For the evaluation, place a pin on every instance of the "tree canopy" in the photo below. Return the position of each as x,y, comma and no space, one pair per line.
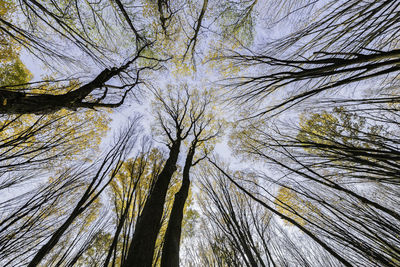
199,133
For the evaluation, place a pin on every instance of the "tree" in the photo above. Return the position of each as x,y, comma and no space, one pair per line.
76,25
322,56
238,231
333,174
205,127
95,253
311,90
15,102
111,165
337,156
129,192
325,245
178,114
141,249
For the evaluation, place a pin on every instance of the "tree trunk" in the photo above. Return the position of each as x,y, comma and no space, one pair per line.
17,102
142,247
170,252
45,249
121,223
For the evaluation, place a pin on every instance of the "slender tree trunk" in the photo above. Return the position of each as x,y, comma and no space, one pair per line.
45,249
91,193
141,250
170,252
121,223
320,242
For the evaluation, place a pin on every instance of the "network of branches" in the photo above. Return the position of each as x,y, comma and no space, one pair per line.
199,133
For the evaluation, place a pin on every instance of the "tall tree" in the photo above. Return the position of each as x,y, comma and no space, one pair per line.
344,162
205,128
181,115
172,115
238,231
110,166
129,192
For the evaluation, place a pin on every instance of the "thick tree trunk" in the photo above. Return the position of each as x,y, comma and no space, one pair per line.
17,102
141,250
170,252
14,102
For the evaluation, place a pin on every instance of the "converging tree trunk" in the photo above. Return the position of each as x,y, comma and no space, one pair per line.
142,247
170,252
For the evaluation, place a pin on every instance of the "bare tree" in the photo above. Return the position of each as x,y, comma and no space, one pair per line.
238,231
19,102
